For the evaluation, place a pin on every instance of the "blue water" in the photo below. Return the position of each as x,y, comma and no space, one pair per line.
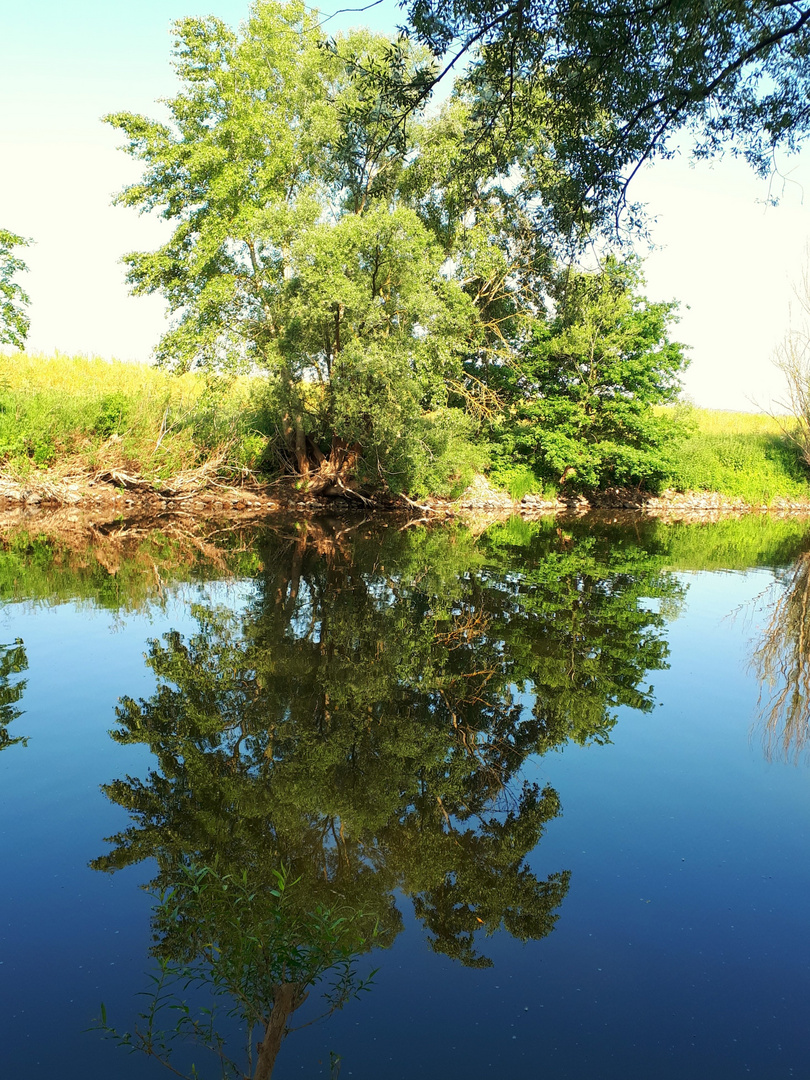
681,947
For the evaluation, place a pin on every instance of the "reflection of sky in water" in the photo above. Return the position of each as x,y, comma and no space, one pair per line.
681,946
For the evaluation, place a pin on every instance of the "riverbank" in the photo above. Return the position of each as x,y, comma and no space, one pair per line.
113,494
84,432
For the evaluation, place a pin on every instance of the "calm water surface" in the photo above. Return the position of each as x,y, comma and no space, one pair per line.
553,777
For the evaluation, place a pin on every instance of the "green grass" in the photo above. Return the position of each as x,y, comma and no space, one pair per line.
520,480
69,413
744,455
73,414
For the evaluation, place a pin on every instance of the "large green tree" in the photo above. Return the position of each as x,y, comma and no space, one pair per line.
390,270
292,248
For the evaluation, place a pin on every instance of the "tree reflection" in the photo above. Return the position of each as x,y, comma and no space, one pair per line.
781,662
251,947
365,721
13,661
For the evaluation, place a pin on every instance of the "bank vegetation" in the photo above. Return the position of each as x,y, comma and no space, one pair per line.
137,429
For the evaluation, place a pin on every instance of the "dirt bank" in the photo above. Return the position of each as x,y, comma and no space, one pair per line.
110,495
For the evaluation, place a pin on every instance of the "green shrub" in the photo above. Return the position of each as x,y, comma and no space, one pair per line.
113,412
520,480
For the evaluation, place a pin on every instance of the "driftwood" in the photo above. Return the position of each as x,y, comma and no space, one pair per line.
186,483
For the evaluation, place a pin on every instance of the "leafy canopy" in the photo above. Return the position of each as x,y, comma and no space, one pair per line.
619,78
392,271
279,172
297,244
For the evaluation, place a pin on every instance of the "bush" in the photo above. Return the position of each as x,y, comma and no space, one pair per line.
582,396
520,480
376,404
112,416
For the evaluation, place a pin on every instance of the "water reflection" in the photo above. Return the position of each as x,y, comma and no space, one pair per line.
362,726
13,661
781,662
258,949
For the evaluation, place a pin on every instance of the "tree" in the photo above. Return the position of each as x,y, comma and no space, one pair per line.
362,723
292,249
14,321
792,359
582,394
609,83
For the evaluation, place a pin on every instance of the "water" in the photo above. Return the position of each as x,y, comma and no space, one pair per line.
543,773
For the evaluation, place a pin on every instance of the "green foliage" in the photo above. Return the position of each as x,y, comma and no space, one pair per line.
318,233
604,86
756,467
289,245
14,321
377,404
447,454
63,411
113,411
256,953
518,479
581,395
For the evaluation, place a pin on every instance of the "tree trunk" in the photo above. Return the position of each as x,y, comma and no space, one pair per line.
287,998
335,473
293,426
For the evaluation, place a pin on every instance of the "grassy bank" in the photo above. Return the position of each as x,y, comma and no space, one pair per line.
745,455
77,414
74,415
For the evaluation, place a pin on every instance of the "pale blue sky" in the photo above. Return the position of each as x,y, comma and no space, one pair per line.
64,65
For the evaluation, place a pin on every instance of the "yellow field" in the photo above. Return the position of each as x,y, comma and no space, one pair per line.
721,422
92,376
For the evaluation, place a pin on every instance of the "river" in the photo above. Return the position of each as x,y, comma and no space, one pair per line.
518,800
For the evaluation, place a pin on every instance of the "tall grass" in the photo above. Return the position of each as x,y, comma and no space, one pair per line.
744,455
70,413
66,412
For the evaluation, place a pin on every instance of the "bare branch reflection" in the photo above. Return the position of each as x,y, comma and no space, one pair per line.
781,662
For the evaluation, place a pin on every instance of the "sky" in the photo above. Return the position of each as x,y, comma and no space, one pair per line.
730,260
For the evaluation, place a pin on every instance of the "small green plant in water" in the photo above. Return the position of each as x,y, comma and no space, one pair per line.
259,952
